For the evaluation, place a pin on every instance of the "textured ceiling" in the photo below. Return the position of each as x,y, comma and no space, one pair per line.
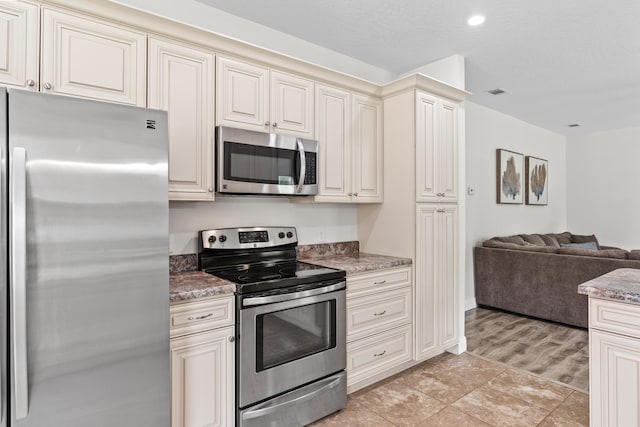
561,61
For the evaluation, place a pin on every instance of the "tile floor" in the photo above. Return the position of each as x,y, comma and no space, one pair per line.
464,390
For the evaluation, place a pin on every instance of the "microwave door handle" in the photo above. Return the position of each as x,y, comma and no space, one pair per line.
303,165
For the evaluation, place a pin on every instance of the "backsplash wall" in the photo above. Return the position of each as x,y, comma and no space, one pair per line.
315,222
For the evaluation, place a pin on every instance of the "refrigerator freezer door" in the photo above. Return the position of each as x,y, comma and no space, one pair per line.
97,291
4,260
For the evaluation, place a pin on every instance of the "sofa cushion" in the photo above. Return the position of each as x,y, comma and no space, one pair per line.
550,240
634,254
510,239
492,243
592,246
577,238
534,239
608,253
563,237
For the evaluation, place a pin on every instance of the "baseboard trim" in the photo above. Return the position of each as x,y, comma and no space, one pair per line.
459,348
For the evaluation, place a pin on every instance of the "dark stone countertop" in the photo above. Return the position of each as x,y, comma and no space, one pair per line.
189,285
622,284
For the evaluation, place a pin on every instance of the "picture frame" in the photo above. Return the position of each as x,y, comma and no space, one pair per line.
537,181
509,177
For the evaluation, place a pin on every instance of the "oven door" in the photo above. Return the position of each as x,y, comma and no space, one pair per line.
262,163
287,344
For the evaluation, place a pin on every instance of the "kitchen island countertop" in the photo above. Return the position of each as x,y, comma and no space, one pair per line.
191,285
622,284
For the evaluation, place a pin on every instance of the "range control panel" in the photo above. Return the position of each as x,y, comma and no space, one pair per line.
247,237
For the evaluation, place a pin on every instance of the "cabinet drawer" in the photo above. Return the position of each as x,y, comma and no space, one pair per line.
191,317
374,355
613,316
377,312
363,284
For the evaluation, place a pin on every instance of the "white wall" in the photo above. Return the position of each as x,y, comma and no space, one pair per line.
449,70
315,223
486,131
603,174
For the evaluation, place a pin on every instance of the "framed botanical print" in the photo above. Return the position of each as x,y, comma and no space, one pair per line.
537,181
509,176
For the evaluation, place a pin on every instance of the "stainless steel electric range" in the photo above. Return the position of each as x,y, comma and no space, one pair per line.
290,326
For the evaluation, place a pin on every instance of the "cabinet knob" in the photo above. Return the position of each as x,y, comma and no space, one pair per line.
267,123
355,194
210,190
47,86
232,338
31,83
275,125
349,194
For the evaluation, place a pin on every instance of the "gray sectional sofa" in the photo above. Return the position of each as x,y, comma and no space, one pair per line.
538,274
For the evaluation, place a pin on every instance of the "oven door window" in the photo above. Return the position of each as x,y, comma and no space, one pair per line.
259,164
288,335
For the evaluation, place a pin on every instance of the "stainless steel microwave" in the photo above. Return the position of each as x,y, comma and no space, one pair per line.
249,162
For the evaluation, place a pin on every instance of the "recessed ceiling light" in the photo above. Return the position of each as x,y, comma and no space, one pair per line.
475,20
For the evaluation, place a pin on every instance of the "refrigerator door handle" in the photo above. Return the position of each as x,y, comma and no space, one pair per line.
18,239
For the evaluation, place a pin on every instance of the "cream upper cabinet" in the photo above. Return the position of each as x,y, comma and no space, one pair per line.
180,80
257,98
436,279
19,25
333,131
436,149
367,149
92,59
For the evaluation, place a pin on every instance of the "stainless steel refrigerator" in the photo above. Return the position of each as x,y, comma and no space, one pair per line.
84,301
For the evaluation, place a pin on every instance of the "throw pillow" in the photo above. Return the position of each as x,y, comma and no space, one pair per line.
576,238
592,246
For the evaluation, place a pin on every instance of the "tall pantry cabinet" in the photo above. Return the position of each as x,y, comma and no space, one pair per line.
419,218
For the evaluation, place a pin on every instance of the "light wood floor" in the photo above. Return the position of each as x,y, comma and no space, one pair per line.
550,350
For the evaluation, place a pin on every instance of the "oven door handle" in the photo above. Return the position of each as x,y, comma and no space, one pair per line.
261,412
303,165
293,295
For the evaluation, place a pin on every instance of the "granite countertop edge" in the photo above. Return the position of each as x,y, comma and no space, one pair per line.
192,285
622,284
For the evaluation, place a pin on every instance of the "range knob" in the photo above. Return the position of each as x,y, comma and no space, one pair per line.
212,239
281,235
222,238
289,234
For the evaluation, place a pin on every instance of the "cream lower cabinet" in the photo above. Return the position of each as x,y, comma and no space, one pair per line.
202,363
436,320
92,59
379,325
614,363
181,81
19,25
349,128
254,97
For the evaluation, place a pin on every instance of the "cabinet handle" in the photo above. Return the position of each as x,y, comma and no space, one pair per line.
267,123
47,86
380,283
380,314
275,125
380,354
349,194
31,83
440,210
199,317
355,194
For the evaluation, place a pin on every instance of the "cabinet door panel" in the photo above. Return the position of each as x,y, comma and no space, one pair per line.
447,284
19,46
181,82
92,59
426,277
334,156
367,149
426,148
243,95
202,379
291,105
448,146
